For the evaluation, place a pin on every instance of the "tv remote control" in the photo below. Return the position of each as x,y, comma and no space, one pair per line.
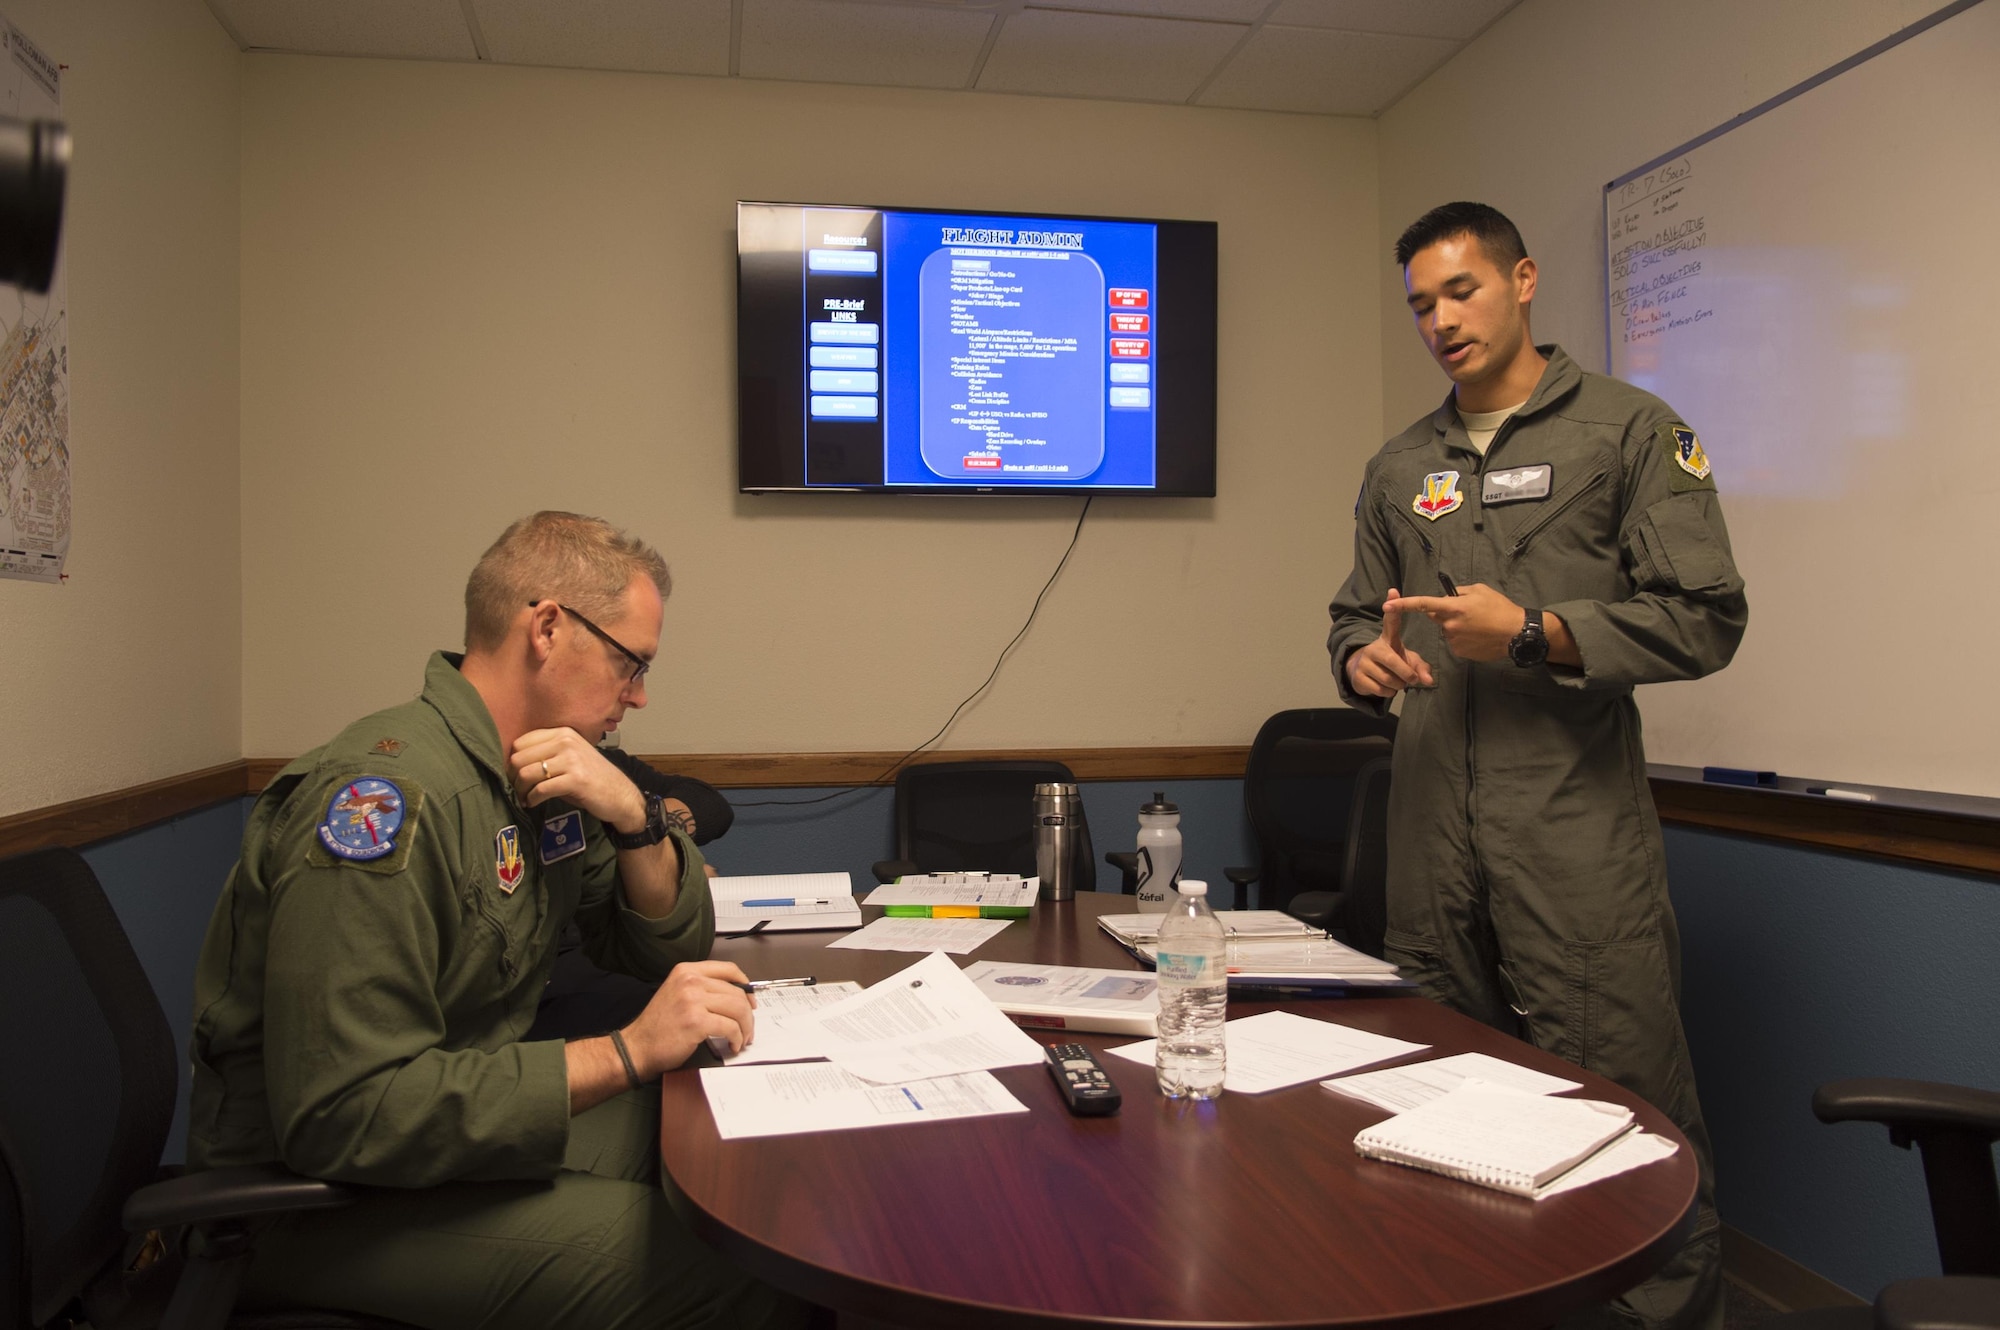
1080,1076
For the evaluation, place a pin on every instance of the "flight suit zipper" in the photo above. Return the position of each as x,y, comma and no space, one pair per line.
1576,496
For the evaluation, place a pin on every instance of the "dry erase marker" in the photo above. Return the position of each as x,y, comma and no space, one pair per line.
1833,792
1444,580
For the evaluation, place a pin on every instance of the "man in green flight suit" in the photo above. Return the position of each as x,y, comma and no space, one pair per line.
377,956
1572,523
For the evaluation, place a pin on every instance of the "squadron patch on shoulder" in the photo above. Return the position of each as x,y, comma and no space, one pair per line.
1691,469
1441,495
508,864
1687,451
562,837
363,818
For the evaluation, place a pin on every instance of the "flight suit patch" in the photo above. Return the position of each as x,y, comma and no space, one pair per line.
1692,470
562,837
1441,495
1518,484
508,864
362,819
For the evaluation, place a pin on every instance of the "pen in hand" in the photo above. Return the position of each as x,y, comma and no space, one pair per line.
1444,580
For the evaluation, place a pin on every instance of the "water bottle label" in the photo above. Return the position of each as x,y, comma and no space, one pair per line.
1182,968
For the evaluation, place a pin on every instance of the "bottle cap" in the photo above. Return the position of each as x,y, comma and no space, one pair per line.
1158,806
1193,886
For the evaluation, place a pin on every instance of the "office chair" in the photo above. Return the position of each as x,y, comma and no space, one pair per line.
1303,789
955,817
84,1111
1954,1128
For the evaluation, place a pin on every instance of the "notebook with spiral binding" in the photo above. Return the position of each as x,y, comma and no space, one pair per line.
1496,1137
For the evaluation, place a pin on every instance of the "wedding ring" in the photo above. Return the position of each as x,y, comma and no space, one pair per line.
545,768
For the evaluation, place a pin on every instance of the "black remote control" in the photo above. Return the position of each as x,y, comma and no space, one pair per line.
1080,1076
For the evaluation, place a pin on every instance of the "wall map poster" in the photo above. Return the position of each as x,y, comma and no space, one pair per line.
34,366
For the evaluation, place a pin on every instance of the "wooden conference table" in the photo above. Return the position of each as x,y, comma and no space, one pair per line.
1250,1210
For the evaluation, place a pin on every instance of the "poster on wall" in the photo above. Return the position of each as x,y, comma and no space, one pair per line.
34,365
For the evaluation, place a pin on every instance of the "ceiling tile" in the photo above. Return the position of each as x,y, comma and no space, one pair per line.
1460,20
407,29
826,41
1220,11
1066,54
682,37
1333,73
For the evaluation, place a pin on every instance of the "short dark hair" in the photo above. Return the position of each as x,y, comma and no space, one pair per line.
1488,225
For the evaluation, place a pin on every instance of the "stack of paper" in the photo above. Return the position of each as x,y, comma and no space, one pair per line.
784,902
957,896
890,1045
956,936
1235,924
1278,1048
1400,1088
780,1033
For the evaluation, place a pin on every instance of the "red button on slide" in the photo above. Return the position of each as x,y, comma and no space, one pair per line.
1131,347
1128,297
981,462
1131,323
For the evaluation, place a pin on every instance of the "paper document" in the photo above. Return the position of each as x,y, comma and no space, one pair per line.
784,902
957,936
777,1036
1278,1048
1634,1149
928,1020
971,890
817,1096
1401,1088
1497,1137
1235,923
1067,997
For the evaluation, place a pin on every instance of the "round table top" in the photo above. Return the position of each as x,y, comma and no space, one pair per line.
1248,1210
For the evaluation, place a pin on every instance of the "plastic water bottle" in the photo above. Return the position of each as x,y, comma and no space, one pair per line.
1159,853
1194,997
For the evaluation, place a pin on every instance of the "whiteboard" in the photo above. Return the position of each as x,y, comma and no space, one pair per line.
1815,288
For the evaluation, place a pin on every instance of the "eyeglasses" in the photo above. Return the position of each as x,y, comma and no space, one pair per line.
639,663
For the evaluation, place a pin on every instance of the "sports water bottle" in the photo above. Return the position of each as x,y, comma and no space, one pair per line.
1194,997
1159,853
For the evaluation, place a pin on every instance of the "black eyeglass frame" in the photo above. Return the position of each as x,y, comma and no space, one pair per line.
639,663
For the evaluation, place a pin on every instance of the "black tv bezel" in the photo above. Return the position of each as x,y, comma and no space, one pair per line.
1185,381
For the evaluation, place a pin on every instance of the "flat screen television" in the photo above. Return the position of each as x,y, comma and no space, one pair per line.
920,351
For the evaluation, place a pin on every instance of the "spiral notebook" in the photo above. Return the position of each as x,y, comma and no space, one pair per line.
1496,1137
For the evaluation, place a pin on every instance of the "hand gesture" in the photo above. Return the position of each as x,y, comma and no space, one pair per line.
1385,666
1478,622
700,1000
562,764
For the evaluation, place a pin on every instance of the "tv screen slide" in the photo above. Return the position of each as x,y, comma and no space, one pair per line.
921,351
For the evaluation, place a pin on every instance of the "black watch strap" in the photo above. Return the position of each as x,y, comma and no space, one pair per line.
652,833
1530,646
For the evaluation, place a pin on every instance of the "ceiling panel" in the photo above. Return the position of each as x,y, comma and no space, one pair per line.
1333,73
682,37
1221,11
1459,20
824,41
1061,53
411,29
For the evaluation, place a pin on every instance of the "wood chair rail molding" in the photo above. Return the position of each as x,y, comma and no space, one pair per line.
1944,840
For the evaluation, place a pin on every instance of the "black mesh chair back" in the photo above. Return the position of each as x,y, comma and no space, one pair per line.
956,817
89,1095
1299,791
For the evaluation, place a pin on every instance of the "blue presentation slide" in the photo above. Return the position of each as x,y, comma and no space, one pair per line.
1014,351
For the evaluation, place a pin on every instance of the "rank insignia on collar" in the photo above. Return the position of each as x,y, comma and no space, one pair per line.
1687,451
1441,495
388,747
363,818
507,860
562,836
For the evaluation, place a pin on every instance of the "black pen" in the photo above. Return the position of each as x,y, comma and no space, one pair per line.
759,985
1444,580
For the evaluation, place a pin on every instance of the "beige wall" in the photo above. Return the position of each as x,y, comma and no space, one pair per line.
1562,96
130,670
470,292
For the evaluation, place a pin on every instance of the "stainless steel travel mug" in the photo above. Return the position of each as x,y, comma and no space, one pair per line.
1056,812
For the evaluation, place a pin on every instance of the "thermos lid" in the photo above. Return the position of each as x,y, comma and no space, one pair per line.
1054,789
1158,806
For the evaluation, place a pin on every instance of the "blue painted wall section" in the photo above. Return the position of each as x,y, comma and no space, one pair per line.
1801,967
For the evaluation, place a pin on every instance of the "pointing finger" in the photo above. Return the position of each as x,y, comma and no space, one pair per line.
1392,623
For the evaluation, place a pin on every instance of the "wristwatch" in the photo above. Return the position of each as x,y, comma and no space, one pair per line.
652,833
1530,646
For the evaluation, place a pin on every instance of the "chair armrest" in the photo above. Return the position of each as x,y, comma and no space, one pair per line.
1243,877
888,870
230,1193
1955,1303
1125,861
1905,1106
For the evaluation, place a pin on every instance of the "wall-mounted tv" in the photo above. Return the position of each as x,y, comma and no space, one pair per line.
919,351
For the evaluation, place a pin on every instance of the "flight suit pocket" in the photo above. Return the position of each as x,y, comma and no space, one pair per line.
1621,1015
1675,547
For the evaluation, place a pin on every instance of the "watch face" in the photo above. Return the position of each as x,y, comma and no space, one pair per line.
1530,646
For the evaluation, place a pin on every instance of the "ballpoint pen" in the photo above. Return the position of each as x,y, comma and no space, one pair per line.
777,901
